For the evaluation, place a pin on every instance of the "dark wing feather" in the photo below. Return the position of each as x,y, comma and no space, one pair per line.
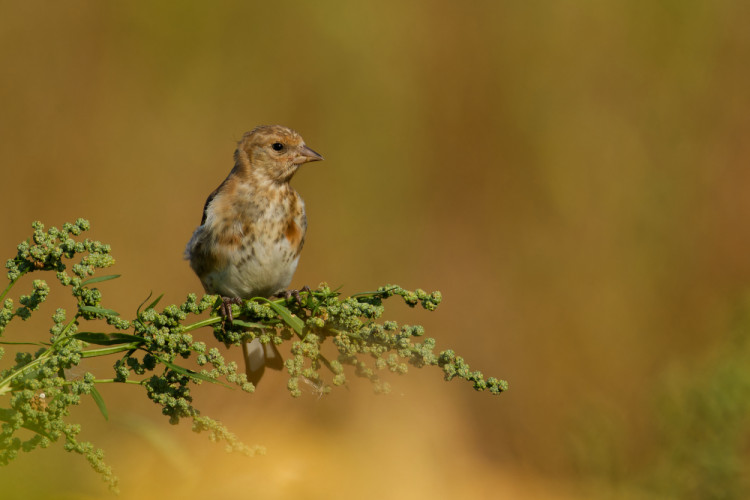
208,201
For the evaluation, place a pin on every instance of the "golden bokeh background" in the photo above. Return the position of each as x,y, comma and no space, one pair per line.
571,175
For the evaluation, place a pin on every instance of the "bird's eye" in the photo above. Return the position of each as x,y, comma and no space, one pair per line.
277,146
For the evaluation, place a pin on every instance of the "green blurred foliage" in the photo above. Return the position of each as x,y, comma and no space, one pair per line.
704,424
578,170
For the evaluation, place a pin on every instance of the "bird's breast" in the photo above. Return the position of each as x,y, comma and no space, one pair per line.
256,250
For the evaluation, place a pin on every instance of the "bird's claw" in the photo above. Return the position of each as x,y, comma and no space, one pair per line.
288,294
226,308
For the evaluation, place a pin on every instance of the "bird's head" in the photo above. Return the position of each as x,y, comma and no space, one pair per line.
273,152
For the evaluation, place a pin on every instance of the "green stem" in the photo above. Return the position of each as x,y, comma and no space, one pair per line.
110,381
7,289
280,300
62,337
5,383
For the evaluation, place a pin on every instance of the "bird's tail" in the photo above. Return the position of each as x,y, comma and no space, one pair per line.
258,356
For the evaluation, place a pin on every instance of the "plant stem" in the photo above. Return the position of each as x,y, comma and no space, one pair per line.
109,381
5,383
7,289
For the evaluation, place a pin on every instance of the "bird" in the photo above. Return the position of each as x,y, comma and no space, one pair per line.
253,228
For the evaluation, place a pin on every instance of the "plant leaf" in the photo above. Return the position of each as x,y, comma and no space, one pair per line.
99,310
192,374
99,279
293,321
153,304
107,338
247,324
105,351
138,311
99,402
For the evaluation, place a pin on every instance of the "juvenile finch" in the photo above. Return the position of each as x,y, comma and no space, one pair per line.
250,237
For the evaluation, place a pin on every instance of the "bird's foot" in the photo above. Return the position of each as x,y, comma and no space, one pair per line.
287,294
226,308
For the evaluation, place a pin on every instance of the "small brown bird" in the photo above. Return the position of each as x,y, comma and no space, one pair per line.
253,227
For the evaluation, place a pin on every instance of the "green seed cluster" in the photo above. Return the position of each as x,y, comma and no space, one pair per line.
359,339
218,433
39,393
164,346
329,338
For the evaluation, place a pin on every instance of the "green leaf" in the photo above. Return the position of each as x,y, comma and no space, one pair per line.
150,306
107,338
20,343
138,311
105,351
293,321
192,374
99,402
247,324
99,279
99,310
153,304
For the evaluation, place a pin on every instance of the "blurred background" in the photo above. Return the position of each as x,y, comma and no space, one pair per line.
572,176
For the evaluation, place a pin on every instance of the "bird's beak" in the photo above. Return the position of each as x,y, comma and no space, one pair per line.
306,154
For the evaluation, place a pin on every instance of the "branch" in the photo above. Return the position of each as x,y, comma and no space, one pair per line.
154,349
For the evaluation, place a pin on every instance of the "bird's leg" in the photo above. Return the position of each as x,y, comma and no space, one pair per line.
295,293
226,307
